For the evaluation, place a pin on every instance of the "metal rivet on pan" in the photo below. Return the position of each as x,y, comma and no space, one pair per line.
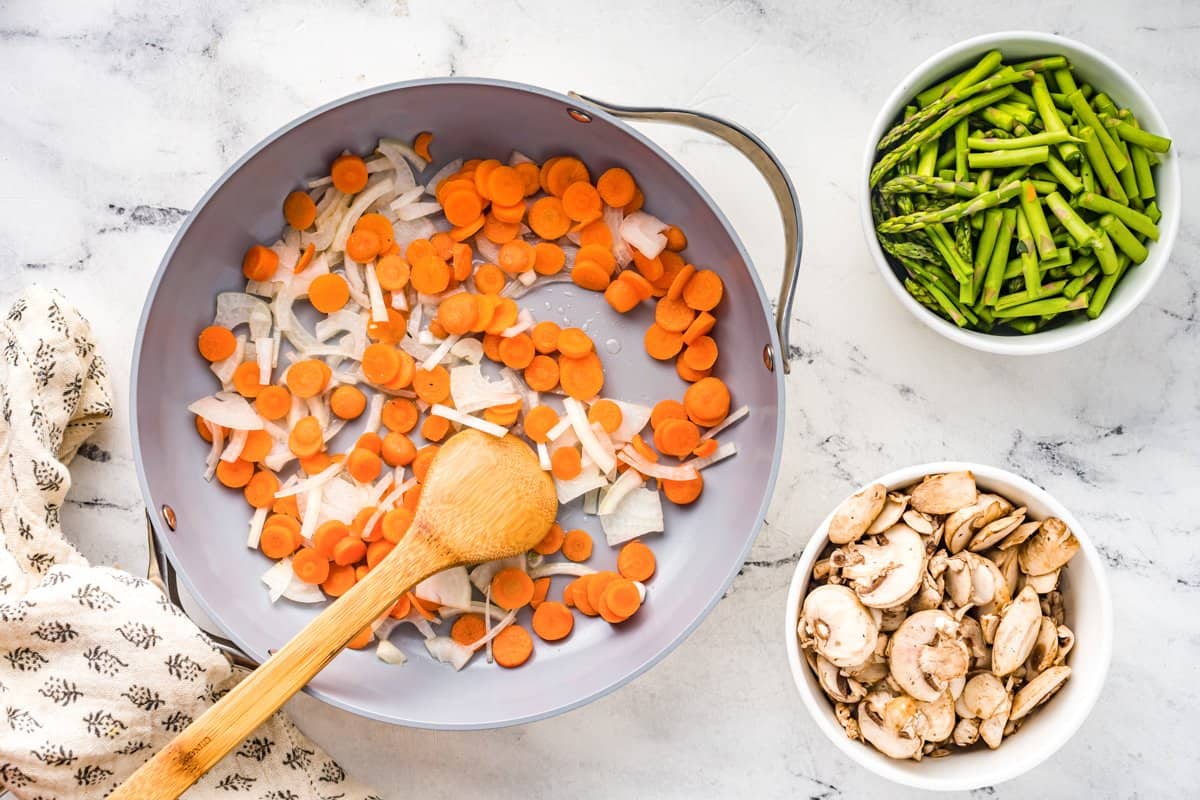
579,116
168,514
769,357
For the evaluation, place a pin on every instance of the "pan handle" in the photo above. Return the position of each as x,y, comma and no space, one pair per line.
777,178
160,572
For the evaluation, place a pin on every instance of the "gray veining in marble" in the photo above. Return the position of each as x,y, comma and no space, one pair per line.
117,116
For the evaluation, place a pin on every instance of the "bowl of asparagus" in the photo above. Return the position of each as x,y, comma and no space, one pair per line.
1021,193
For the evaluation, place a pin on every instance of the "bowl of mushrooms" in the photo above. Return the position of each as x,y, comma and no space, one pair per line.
949,626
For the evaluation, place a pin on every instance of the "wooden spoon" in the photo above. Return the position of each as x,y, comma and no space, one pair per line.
484,498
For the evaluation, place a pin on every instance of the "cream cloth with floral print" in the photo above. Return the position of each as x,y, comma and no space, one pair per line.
97,669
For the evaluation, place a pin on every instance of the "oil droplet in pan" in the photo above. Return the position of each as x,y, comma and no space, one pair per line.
612,346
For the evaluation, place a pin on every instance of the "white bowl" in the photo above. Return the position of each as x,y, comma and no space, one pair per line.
1088,613
1090,67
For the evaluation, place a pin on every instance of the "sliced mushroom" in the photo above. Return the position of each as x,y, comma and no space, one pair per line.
1017,632
926,654
958,530
982,697
988,623
994,507
991,730
837,626
1043,584
1066,641
1006,562
996,530
893,510
884,570
944,494
892,617
1023,532
966,732
1045,649
837,685
1052,606
821,570
856,513
1050,548
875,668
888,722
1039,690
845,716
939,718
930,594
972,635
919,522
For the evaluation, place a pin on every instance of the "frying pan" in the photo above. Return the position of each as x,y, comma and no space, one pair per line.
200,529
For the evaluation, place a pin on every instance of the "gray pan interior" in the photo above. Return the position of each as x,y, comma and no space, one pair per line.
704,545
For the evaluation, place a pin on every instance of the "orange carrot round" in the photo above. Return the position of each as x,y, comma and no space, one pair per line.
349,173
661,343
462,207
577,544
703,292
400,415
435,428
397,450
457,313
363,465
432,385
310,566
701,354
622,598
607,413
327,535
306,438
379,225
260,263
542,373
553,621
616,187
216,343
664,410
673,315
566,171
621,296
396,523
581,378
545,336
235,474
307,378
328,293
468,629
582,202
676,240
517,351
565,463
548,219
676,437
258,445
683,492
552,542
512,646
260,490
512,588
273,402
636,562
707,401
539,421
574,343
341,579
548,259
299,210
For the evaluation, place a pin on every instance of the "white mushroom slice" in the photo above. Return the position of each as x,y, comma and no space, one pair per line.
991,730
1045,648
874,669
821,570
1066,641
982,697
1043,584
1017,632
958,530
1050,548
845,715
1052,606
856,513
966,732
988,624
1023,532
926,654
930,595
1006,562
939,718
994,507
893,510
837,685
958,580
887,722
884,570
972,635
996,530
918,522
945,494
838,626
892,617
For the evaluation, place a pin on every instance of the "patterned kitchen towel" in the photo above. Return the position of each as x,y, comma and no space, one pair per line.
98,670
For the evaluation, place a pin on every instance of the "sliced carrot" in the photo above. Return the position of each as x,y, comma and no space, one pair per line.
683,492
260,263
461,261
328,293
498,231
349,173
581,378
517,256
273,402
235,474
379,225
701,354
706,448
423,461
565,463
257,447
460,233
596,233
468,629
458,312
661,343
675,291
580,598
505,415
545,336
644,450
652,269
607,413
574,343
552,542
676,240
517,351
566,171
363,245
347,402
506,187
512,646
672,265
707,401
673,315
635,204
529,177
287,506
361,639
435,428
643,288
380,363
552,621
544,172
664,410
548,259
616,187
299,210
397,450
600,255
341,579
542,373
577,544
245,379
548,219
568,594
306,438
512,588
703,292
489,279
420,145
676,437
429,275
432,385
539,421
310,566
349,550
443,245
400,414
700,326
491,346
504,316
358,526
621,296
483,174
370,441
202,429
402,607
582,202
306,257
541,588
260,491
317,462
377,551
462,207
307,378
396,523
687,373
363,465
277,541
622,598
636,562
327,535
216,343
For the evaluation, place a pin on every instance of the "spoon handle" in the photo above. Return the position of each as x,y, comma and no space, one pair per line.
224,725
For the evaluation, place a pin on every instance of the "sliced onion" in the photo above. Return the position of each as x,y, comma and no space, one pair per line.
451,587
439,352
442,174
264,352
544,456
601,456
225,368
257,521
583,483
634,418
302,281
518,157
652,469
408,232
315,482
400,154
720,454
468,349
472,391
233,450
560,428
407,197
454,415
374,190
488,250
239,308
417,210
229,410
621,251
629,480
734,417
493,631
379,311
388,653
561,568
214,451
644,232
524,322
591,501
639,513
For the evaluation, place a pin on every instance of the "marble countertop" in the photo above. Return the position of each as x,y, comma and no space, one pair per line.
118,116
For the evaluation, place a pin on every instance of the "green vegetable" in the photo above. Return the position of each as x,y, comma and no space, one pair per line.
1014,197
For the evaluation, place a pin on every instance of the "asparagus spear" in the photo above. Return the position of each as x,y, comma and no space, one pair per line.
961,131
1005,77
924,184
1150,141
1024,296
1080,231
1077,284
1104,169
1043,64
923,219
1050,118
1038,308
1141,170
1064,175
1123,238
992,220
1087,117
1009,158
1105,287
1029,254
1032,208
1019,142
